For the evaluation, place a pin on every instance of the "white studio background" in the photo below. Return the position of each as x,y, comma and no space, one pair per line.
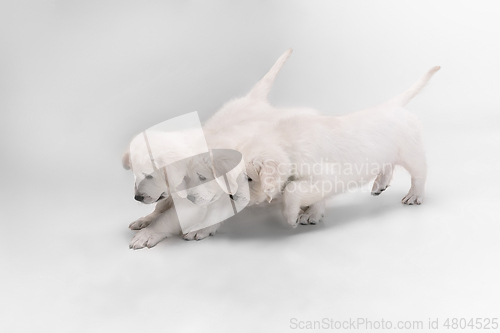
79,78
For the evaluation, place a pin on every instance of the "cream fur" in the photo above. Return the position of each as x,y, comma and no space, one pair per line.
273,139
310,157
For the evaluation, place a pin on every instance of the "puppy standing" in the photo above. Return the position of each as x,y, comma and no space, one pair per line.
310,157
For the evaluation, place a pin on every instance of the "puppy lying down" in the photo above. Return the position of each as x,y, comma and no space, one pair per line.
234,123
294,154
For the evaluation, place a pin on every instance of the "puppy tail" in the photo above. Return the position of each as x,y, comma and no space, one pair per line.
404,98
262,88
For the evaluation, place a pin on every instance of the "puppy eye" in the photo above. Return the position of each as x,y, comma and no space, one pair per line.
249,179
202,177
149,176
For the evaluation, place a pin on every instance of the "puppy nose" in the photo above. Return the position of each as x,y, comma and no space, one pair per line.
191,198
139,197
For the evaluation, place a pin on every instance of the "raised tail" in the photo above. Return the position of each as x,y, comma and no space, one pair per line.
404,98
262,88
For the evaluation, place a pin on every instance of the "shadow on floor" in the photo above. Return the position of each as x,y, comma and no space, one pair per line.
268,223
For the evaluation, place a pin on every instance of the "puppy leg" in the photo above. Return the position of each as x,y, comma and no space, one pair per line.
414,162
313,214
167,224
161,207
298,194
202,233
383,179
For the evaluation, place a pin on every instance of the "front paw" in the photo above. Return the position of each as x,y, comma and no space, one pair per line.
140,224
413,199
146,238
376,191
311,216
200,234
292,217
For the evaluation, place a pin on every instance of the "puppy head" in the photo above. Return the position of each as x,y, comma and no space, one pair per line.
266,178
151,183
152,188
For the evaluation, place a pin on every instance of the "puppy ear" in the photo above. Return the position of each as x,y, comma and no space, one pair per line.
126,160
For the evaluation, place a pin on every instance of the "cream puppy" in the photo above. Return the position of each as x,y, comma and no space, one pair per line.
310,157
